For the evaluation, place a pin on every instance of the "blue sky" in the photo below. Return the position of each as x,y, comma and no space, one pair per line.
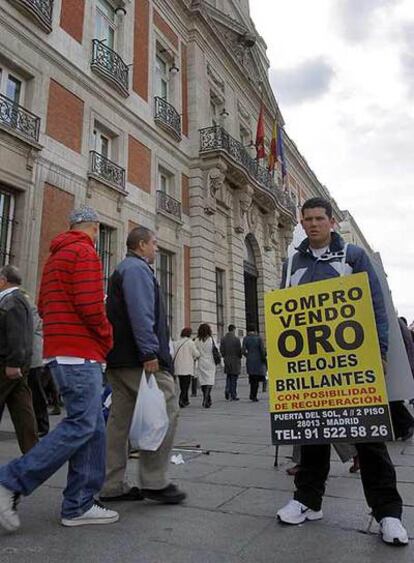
343,74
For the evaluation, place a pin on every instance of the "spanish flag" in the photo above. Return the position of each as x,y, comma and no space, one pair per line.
260,135
273,149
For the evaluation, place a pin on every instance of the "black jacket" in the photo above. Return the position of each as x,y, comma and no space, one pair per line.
16,331
136,311
230,349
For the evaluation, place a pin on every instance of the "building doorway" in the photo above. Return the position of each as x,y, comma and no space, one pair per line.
250,285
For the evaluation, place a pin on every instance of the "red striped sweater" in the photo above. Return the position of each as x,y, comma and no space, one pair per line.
71,300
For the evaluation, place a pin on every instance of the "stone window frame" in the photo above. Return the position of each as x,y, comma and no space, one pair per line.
169,283
7,256
161,166
170,55
116,135
107,255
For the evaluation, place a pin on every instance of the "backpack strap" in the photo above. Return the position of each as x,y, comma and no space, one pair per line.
343,261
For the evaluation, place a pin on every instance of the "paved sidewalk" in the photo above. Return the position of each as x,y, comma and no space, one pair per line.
233,494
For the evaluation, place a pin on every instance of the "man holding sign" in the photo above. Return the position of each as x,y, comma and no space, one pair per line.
331,386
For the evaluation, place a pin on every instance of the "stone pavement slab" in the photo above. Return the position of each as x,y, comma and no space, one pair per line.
233,495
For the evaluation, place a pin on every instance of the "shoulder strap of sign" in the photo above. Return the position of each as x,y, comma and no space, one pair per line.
289,270
343,261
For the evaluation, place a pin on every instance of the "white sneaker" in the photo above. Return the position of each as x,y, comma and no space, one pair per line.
296,513
97,514
9,518
392,531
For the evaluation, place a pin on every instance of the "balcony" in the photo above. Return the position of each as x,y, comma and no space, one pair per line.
167,117
169,205
109,65
18,119
216,139
106,171
39,11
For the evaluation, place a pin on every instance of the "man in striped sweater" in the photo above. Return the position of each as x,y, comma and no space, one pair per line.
77,338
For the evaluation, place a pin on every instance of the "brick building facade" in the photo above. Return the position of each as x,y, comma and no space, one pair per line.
145,109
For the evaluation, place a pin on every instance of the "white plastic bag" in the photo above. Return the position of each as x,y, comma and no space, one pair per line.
150,420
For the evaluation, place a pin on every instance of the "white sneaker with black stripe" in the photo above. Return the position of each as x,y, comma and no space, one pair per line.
9,518
296,513
97,514
393,532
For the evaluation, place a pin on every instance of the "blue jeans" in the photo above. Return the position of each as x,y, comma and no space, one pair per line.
231,385
79,439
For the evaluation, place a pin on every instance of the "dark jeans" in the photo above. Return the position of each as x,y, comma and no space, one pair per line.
402,420
184,381
39,399
15,393
231,385
194,386
377,475
254,381
206,389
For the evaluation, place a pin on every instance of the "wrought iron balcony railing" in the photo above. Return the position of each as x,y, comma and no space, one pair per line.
21,120
286,200
167,117
39,10
107,170
168,204
109,65
216,138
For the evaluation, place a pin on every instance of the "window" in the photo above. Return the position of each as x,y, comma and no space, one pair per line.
161,69
213,113
220,302
6,226
217,115
101,142
104,249
165,279
165,181
105,26
245,137
11,86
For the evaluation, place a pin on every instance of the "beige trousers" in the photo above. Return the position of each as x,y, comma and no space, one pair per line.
152,467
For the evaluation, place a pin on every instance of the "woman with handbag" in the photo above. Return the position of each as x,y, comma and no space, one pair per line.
185,354
209,356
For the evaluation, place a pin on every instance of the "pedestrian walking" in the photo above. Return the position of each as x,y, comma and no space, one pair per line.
256,366
141,347
230,349
185,354
36,372
16,346
77,338
206,366
323,255
402,421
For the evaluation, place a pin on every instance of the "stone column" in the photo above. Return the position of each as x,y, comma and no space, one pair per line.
202,186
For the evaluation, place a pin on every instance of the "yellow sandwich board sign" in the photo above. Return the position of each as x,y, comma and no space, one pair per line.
326,379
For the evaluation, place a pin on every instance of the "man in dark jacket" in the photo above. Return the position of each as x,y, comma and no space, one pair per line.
141,346
230,349
16,340
323,255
